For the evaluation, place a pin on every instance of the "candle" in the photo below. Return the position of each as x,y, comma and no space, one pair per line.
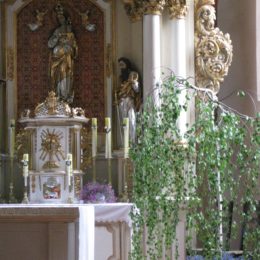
25,168
108,153
126,136
94,137
69,167
11,137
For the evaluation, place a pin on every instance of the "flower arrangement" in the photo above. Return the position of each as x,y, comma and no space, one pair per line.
93,192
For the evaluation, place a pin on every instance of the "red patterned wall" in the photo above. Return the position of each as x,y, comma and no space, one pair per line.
33,54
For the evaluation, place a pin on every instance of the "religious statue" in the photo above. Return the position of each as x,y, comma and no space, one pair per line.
64,51
128,95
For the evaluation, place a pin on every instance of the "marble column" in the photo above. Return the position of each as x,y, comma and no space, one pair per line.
151,54
152,49
178,54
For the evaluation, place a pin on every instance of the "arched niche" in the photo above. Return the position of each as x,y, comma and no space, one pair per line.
27,55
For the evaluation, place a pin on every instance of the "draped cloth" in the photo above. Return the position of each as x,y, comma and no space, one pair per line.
86,232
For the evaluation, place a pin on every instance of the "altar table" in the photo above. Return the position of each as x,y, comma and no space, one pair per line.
64,231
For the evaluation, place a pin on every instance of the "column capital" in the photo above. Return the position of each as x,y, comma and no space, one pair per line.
134,9
154,7
177,9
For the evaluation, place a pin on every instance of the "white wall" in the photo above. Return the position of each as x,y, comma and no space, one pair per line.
238,18
129,38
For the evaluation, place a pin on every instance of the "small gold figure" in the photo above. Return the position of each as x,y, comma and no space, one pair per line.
39,20
85,21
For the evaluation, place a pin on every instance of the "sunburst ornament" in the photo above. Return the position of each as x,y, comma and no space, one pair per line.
51,148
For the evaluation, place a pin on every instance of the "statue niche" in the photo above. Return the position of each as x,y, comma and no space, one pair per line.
61,55
64,51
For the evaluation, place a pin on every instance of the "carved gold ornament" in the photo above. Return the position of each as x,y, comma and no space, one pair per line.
213,49
134,9
177,9
85,148
154,6
51,147
52,106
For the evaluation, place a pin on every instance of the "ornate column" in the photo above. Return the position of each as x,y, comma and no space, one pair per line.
178,11
152,47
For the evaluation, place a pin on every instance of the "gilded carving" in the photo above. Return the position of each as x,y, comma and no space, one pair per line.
154,7
213,49
23,142
51,147
77,186
134,9
52,106
177,9
86,148
10,63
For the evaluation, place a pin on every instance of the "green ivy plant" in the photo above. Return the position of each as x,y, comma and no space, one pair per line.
203,171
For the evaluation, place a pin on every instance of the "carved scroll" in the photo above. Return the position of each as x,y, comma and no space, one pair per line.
213,49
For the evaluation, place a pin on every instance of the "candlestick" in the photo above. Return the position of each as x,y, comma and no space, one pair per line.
94,137
25,176
69,168
11,130
126,136
25,168
108,153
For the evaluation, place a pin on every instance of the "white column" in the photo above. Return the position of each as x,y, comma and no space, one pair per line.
178,53
179,60
151,55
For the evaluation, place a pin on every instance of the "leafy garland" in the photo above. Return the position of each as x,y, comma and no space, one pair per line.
203,171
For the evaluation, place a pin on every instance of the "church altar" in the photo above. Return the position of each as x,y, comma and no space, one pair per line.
65,231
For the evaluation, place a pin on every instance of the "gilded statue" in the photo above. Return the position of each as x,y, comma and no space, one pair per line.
64,52
128,95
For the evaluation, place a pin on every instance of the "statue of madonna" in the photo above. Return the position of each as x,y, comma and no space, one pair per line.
64,51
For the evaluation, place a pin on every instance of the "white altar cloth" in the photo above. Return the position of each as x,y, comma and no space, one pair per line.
88,214
113,212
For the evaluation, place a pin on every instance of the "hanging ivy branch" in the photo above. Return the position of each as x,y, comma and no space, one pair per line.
203,171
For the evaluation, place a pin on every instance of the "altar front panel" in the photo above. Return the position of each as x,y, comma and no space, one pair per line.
54,232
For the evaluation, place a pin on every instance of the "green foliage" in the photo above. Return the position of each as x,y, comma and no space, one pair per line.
214,163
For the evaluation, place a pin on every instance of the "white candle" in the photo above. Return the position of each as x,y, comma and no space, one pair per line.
25,168
126,137
94,137
108,153
69,167
11,137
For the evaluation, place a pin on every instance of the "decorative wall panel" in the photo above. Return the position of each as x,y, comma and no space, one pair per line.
33,54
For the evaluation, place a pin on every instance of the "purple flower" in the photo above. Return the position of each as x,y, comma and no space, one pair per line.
95,192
